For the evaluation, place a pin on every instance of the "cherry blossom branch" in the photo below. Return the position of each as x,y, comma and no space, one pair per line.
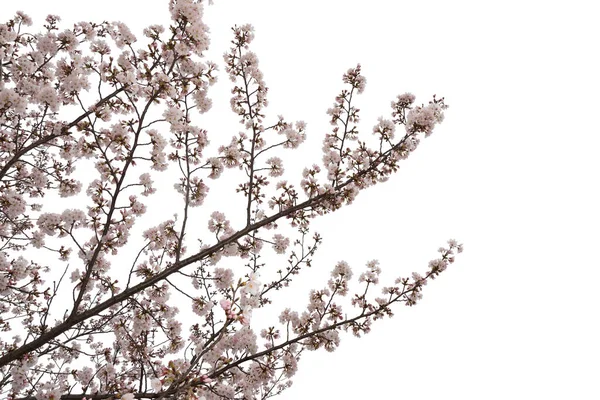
226,362
79,317
64,130
408,294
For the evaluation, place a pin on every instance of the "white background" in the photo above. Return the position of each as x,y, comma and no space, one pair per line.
512,173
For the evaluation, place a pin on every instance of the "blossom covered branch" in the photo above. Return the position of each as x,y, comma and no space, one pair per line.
105,323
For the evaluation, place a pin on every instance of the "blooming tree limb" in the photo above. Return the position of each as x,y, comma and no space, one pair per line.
119,335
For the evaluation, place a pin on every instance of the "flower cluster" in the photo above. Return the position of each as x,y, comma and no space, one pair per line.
226,306
50,223
280,243
219,224
164,236
424,118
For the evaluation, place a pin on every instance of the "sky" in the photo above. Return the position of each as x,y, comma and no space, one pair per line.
512,173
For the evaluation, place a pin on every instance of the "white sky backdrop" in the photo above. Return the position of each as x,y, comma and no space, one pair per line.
512,173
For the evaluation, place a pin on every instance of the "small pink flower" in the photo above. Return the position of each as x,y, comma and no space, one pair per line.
244,320
225,304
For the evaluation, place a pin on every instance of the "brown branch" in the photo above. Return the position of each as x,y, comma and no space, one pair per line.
95,311
64,131
78,318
